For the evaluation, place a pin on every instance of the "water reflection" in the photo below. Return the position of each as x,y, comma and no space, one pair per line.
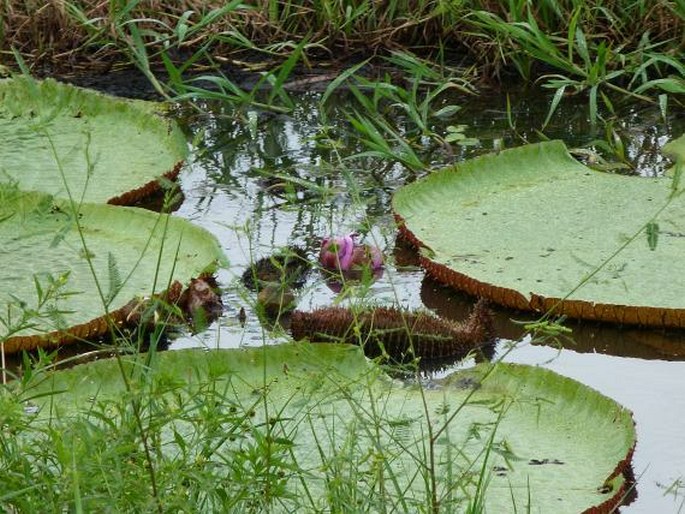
263,181
586,337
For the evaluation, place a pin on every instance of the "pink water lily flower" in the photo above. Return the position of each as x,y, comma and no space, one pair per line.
344,253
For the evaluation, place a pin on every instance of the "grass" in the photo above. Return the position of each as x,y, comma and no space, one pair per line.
604,50
213,449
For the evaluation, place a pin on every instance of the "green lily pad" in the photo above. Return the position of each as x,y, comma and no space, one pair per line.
56,138
676,149
555,445
132,252
531,228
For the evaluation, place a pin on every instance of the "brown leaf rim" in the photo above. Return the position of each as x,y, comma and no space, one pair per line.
580,309
146,190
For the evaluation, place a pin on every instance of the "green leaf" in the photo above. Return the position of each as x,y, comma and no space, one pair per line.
663,105
451,137
581,45
114,282
652,231
182,26
532,435
593,105
532,226
338,81
127,248
558,95
670,85
447,111
57,138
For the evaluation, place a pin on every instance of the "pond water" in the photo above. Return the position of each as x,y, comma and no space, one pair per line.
263,182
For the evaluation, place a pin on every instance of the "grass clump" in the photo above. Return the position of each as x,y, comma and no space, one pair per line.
631,48
302,428
273,26
209,440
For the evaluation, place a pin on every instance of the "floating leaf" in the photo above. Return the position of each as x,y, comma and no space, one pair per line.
126,247
57,139
531,225
555,444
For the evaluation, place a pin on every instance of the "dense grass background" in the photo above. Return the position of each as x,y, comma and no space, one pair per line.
604,50
487,34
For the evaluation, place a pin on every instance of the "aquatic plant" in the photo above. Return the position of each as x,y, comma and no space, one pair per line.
66,141
532,228
275,299
275,279
343,253
42,239
293,427
84,147
288,267
395,333
200,302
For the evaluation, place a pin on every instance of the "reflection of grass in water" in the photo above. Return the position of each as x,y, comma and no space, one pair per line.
677,490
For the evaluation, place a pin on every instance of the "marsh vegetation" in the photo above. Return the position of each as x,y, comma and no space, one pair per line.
304,119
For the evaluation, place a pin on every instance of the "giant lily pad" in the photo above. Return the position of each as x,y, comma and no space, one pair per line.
531,228
132,252
555,445
57,139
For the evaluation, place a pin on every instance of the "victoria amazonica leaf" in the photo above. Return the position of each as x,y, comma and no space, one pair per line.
532,226
60,139
132,252
676,149
542,442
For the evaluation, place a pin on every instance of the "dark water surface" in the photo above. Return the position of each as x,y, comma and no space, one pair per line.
269,181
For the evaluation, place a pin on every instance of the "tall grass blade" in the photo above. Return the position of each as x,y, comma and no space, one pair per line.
340,79
558,95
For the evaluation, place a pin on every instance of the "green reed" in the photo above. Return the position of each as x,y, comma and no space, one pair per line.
604,50
570,58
